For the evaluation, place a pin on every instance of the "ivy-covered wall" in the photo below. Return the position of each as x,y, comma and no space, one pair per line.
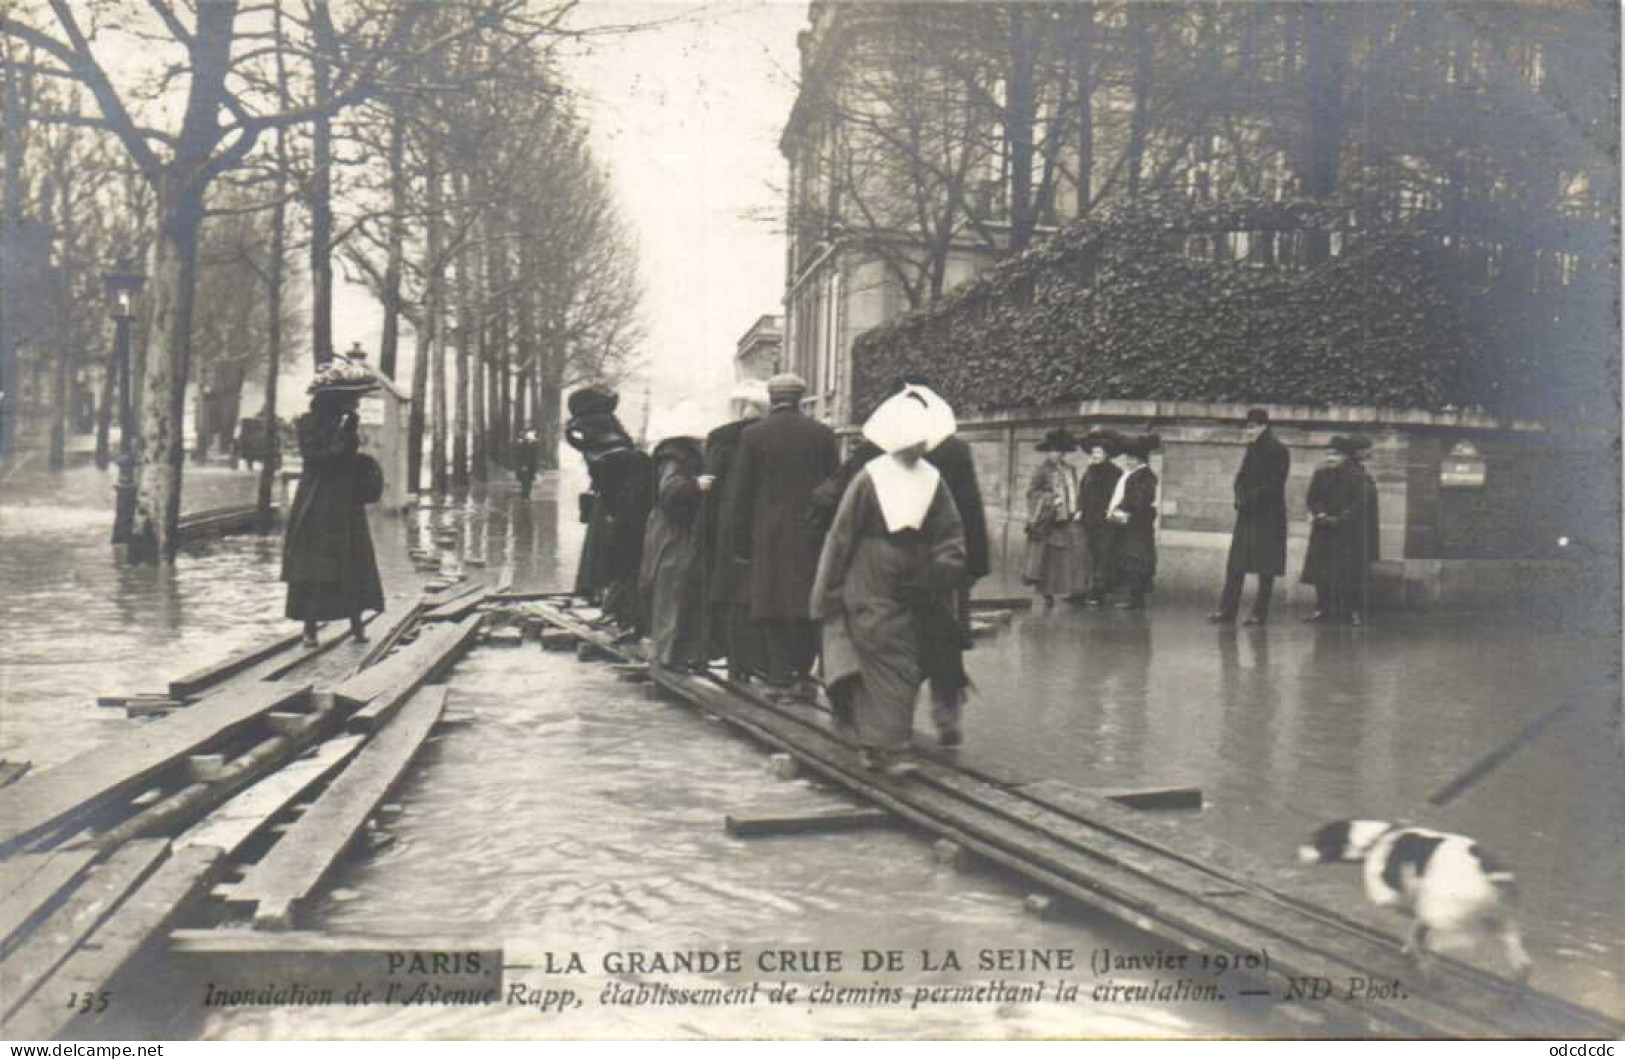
1165,301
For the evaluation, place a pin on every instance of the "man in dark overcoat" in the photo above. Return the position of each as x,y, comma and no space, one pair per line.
524,462
781,461
1343,533
730,632
1258,543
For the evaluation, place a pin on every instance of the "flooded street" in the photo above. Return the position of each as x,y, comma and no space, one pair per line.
570,813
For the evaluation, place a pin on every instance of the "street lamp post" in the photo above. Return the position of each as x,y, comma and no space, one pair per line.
123,285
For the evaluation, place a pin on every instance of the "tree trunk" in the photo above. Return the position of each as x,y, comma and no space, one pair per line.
1020,118
1140,34
172,287
321,194
479,388
1328,55
11,216
459,437
422,338
1085,60
550,404
58,457
271,434
389,343
432,314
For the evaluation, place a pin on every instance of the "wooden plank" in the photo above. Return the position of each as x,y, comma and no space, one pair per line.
1134,891
233,824
821,822
293,869
31,885
392,636
143,917
1153,797
131,759
12,771
27,966
418,668
215,672
458,609
233,959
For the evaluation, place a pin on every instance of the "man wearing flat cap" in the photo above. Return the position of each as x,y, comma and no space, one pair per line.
1258,543
781,460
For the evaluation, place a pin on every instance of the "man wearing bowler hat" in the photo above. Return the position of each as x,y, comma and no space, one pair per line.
781,460
1258,544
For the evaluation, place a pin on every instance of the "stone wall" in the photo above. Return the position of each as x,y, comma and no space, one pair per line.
1491,546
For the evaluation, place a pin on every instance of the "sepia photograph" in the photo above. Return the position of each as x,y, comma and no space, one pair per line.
811,520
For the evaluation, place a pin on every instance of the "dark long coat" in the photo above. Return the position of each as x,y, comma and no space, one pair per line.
622,491
1134,543
672,582
728,580
1344,544
782,459
327,555
1258,544
1095,488
953,460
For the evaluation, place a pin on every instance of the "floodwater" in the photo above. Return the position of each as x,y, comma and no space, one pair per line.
570,814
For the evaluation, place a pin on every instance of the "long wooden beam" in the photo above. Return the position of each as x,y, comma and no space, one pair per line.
286,876
130,759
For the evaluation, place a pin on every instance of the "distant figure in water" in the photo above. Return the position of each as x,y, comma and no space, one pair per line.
524,463
327,556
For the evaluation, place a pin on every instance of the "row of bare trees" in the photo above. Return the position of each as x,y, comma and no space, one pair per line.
927,129
432,149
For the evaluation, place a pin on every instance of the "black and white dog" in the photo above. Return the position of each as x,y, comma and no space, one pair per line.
1449,886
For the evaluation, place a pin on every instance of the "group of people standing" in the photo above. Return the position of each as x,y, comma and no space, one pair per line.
761,546
1092,535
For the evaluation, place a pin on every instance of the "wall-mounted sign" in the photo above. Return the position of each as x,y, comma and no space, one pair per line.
1463,467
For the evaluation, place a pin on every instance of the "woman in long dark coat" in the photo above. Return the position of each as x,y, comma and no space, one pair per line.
1343,533
672,582
731,633
617,508
327,554
1132,517
885,586
1095,491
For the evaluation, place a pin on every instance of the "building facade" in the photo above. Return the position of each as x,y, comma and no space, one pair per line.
759,349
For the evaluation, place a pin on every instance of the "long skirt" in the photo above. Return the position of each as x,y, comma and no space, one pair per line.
1060,565
871,660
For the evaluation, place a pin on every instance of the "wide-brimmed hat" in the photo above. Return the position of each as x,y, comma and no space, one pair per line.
1346,445
687,451
1141,445
1058,440
343,375
595,433
1261,416
593,400
1102,438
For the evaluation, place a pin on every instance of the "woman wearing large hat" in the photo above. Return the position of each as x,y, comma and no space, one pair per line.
327,554
1095,488
1057,562
616,510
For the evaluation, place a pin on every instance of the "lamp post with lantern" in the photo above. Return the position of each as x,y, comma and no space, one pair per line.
123,286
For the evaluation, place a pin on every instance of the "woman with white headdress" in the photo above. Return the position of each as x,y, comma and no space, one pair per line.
885,585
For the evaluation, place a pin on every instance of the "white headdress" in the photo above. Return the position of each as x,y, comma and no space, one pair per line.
904,420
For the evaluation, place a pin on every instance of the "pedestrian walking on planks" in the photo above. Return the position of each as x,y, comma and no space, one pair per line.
885,586
327,554
1095,489
782,460
1258,543
615,511
730,632
1131,515
672,582
1057,561
524,462
1343,532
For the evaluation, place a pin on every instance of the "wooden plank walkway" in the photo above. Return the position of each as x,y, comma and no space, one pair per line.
142,917
130,759
28,966
297,864
380,689
1138,868
233,824
30,884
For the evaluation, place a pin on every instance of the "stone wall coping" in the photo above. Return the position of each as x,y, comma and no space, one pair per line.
1297,415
